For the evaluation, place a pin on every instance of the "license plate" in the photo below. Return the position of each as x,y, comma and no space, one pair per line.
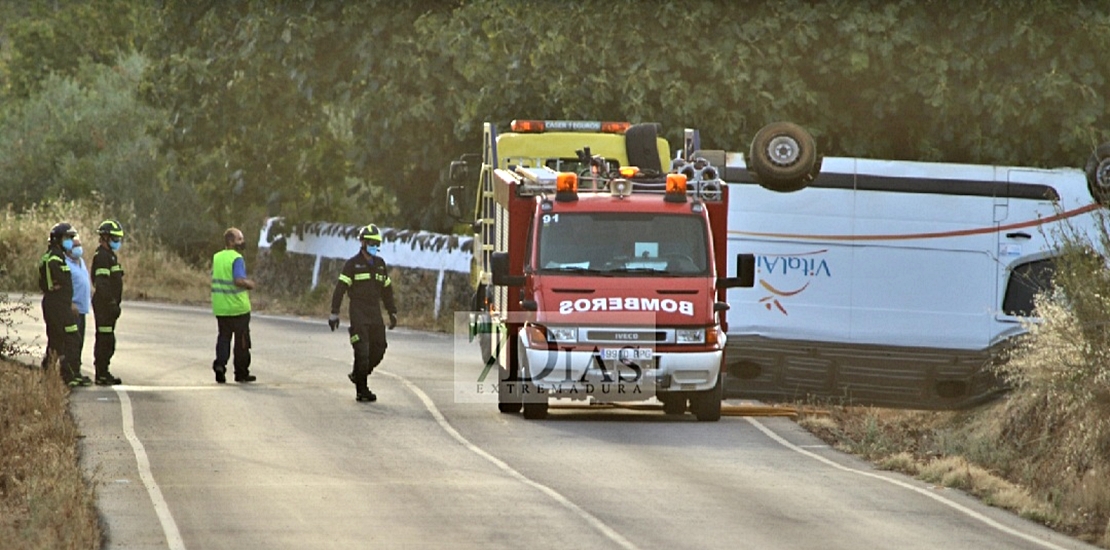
631,354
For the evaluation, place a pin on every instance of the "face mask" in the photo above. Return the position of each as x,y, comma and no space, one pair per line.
372,249
77,252
114,245
67,244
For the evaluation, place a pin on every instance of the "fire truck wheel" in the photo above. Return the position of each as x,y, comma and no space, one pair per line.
706,405
1098,174
535,410
673,404
508,392
783,157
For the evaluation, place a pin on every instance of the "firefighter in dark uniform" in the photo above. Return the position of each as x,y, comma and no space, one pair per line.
365,279
58,310
108,282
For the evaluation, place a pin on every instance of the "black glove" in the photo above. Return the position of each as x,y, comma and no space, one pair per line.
333,322
392,320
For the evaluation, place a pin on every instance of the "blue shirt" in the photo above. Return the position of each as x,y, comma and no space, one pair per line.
239,269
82,285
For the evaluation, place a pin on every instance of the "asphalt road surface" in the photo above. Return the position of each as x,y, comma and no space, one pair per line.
292,461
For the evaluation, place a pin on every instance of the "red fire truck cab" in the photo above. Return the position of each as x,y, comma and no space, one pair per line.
598,275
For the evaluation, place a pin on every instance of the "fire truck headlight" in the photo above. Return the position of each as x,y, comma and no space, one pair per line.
563,334
690,336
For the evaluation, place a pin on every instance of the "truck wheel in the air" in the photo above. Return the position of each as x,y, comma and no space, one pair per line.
673,403
706,405
783,157
1098,174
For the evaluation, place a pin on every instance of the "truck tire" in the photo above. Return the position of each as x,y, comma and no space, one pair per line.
783,157
706,405
673,404
508,395
1098,174
535,407
535,410
480,306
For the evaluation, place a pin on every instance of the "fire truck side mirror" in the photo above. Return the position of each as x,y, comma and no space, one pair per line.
455,199
460,172
499,265
745,273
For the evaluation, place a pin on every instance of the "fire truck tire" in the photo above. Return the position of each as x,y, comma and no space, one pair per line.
706,405
1098,174
783,157
673,404
508,392
534,405
535,410
641,148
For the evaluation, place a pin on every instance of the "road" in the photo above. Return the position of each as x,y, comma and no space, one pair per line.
292,461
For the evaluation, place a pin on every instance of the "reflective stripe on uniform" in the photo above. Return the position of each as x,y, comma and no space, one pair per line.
71,328
223,286
362,276
344,279
105,329
354,338
102,271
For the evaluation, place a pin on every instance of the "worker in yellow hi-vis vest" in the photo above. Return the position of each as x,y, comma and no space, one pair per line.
231,304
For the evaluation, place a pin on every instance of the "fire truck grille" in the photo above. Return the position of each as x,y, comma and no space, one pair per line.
632,336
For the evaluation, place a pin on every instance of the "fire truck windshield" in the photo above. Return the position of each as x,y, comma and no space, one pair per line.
632,244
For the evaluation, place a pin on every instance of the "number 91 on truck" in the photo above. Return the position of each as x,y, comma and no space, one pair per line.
600,264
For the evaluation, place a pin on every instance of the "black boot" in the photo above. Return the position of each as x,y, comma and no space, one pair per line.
364,394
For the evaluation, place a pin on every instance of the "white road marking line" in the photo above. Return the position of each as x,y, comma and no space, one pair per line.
593,520
169,527
951,504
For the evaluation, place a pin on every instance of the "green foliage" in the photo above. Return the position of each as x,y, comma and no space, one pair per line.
59,37
88,136
351,112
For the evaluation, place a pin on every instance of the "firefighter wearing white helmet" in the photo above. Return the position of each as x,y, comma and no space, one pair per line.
365,280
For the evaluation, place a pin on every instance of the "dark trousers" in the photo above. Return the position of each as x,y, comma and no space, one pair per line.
369,344
237,328
61,340
105,346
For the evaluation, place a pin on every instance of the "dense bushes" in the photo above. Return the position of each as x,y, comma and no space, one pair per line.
233,111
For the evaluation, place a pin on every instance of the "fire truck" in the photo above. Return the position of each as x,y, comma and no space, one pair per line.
600,262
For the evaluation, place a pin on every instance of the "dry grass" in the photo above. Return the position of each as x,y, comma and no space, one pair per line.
45,503
964,450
